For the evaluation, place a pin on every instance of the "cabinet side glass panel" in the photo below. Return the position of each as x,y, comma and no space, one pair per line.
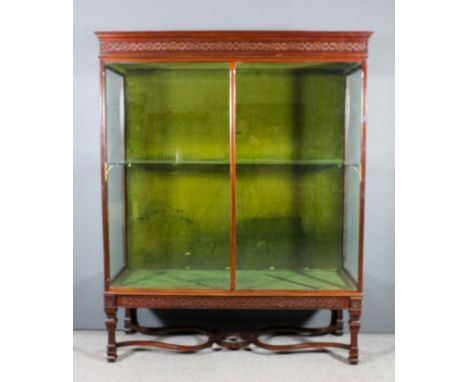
116,219
177,176
115,118
352,194
290,176
114,89
353,123
351,221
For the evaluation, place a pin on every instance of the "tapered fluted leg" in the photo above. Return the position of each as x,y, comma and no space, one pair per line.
337,321
111,324
130,319
354,325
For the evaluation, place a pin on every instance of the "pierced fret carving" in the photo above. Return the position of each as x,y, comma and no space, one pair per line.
241,46
233,302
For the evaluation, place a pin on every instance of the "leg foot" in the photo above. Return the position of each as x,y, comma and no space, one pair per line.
337,320
111,353
111,323
130,319
354,325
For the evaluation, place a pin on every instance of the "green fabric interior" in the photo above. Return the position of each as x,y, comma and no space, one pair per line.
289,217
177,112
294,114
308,279
289,122
178,216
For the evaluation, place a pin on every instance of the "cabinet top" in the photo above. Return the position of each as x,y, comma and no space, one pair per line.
233,45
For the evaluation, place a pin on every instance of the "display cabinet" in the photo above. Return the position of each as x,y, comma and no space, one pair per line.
233,177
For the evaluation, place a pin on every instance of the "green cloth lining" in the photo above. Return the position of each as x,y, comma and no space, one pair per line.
267,279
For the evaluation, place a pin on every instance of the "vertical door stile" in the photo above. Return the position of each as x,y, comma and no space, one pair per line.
232,156
124,169
105,217
345,170
362,176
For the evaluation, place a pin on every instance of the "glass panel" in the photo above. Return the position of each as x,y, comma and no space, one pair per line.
289,227
351,220
114,116
176,238
116,218
177,112
353,130
177,176
290,176
353,125
289,112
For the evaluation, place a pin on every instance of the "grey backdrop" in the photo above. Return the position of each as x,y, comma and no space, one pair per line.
374,15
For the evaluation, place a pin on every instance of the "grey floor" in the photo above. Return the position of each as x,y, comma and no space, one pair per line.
133,364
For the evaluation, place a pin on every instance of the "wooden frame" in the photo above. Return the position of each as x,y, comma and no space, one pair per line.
231,47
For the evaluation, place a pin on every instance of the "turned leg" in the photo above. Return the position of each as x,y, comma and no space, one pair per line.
111,323
337,321
130,320
354,325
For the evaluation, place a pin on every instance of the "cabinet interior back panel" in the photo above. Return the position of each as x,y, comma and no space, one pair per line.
178,217
289,112
177,112
178,201
290,119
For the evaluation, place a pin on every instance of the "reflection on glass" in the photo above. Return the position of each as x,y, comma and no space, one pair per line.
353,123
351,220
352,176
114,116
116,218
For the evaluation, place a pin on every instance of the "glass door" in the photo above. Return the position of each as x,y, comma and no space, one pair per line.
168,175
285,212
298,132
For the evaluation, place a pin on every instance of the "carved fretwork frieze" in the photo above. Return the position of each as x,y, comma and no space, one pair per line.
233,46
233,302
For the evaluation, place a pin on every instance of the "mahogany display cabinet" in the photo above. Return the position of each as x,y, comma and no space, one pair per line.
233,177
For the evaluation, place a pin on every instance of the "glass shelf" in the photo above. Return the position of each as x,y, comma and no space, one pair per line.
239,162
168,163
292,162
